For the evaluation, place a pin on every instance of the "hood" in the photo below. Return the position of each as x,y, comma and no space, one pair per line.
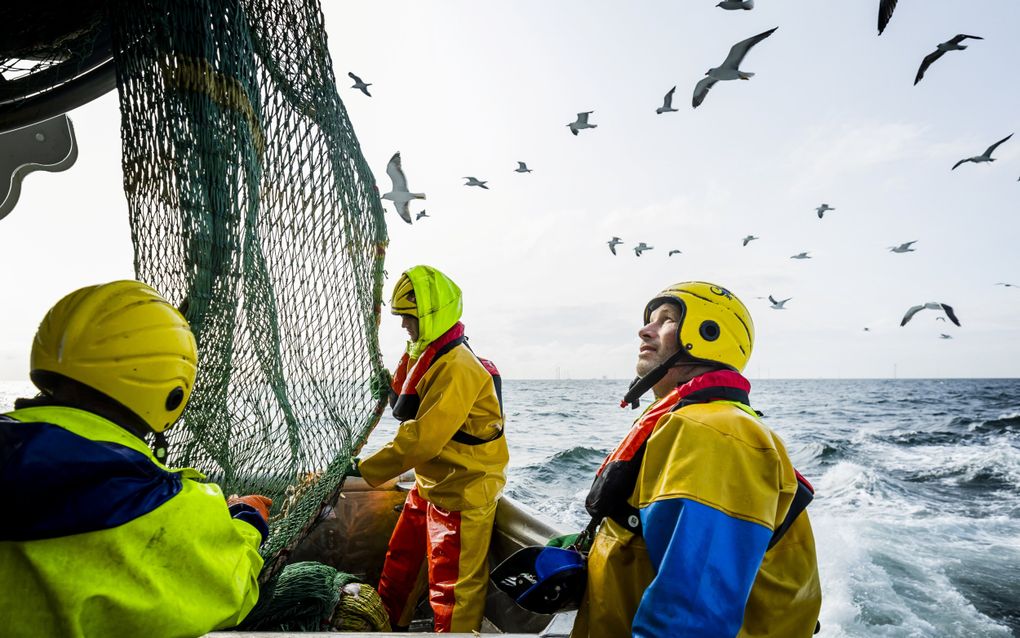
439,306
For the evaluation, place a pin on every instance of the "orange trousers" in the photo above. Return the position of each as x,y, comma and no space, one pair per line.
451,548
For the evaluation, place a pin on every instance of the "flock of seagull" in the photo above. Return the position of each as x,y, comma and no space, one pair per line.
729,69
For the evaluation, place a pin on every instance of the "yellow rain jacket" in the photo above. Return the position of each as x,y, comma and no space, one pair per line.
713,485
455,393
100,539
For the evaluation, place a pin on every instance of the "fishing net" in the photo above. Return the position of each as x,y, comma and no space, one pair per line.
252,207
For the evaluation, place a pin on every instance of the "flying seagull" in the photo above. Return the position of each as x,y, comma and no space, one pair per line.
358,84
931,305
945,336
885,9
522,168
778,305
733,5
749,239
613,243
641,247
667,103
399,194
420,215
800,256
1002,283
673,252
473,181
729,69
941,50
984,157
867,329
903,248
824,208
581,122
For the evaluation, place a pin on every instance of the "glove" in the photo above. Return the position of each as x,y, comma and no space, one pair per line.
252,509
354,470
257,501
563,541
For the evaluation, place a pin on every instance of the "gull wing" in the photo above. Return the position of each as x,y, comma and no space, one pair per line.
771,300
701,90
522,166
354,77
582,118
612,247
910,313
740,49
908,244
885,11
667,101
396,174
950,314
991,149
927,62
960,37
963,161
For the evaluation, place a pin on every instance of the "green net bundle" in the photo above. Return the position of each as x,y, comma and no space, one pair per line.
251,206
310,596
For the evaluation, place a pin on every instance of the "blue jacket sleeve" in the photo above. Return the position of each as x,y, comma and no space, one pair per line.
705,563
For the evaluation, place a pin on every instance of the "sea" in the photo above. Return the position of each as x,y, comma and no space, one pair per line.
917,508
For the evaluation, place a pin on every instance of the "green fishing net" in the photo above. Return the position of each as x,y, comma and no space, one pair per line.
252,207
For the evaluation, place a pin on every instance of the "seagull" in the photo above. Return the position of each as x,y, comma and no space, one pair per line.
358,84
581,122
984,157
867,329
667,103
903,248
641,247
778,305
420,215
522,168
673,252
1002,283
885,9
728,70
613,243
472,181
399,194
945,336
733,5
942,49
824,208
749,239
800,256
931,305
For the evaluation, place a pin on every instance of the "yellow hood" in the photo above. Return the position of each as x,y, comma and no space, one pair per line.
439,306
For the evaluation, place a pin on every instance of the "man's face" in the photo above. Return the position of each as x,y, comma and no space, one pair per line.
409,323
658,338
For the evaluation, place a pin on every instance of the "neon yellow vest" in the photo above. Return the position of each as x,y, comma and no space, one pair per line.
183,569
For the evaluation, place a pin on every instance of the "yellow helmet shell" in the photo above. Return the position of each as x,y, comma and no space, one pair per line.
715,326
124,340
404,301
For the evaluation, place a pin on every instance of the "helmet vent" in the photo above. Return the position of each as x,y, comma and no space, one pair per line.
174,399
709,330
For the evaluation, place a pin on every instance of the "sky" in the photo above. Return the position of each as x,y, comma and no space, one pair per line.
831,115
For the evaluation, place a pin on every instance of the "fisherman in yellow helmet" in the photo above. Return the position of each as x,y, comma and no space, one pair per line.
99,537
702,528
451,434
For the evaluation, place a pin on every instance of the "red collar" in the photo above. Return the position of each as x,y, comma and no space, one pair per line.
714,379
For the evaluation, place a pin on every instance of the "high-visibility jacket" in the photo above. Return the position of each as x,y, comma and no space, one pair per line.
713,486
456,394
100,539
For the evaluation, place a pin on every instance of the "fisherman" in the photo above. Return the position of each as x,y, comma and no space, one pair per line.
99,537
451,434
702,529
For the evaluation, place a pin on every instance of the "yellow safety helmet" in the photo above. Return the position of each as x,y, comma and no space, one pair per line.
123,340
404,301
714,325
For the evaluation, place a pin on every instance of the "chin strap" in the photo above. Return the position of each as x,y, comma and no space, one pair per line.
640,385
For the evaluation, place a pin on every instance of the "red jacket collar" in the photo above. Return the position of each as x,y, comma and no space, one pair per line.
714,379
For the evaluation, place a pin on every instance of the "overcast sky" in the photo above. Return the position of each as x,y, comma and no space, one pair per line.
467,88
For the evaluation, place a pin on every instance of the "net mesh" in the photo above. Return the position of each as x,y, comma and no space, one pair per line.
251,206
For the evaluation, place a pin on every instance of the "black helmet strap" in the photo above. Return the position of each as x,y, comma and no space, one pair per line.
643,384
